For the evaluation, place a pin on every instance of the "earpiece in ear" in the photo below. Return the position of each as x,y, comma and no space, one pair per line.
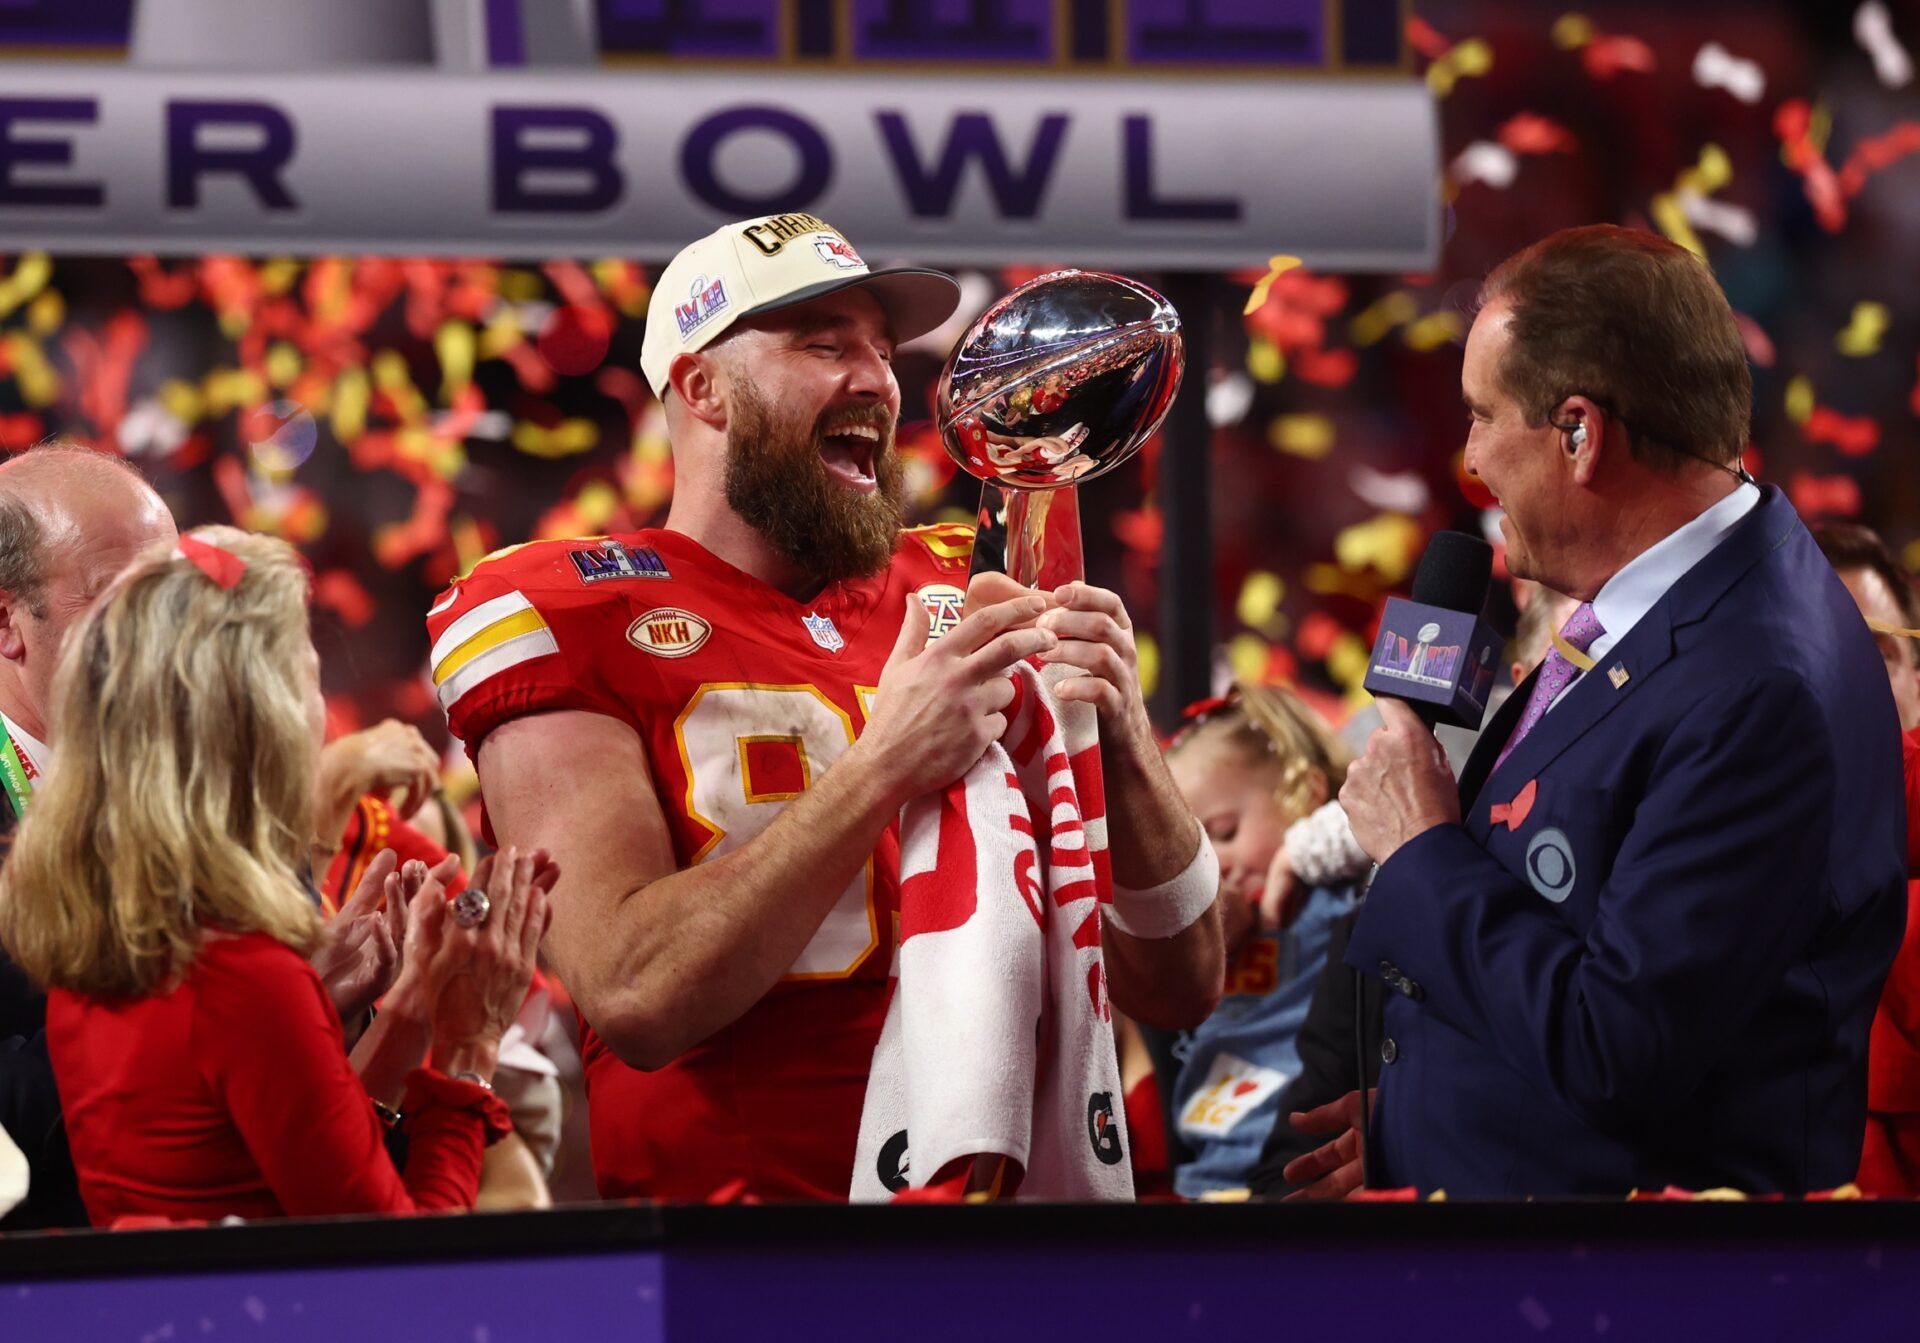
1579,437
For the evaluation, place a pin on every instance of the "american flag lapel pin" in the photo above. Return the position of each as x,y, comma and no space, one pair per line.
1617,674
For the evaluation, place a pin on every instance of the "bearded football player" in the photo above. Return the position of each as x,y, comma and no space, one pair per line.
713,727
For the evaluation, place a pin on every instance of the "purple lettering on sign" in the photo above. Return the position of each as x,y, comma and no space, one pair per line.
1144,202
585,158
16,149
953,30
812,175
189,159
1017,192
1225,32
98,24
724,28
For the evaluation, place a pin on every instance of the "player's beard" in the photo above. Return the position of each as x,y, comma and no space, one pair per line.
778,484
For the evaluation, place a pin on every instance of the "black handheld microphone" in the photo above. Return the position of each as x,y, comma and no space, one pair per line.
1435,652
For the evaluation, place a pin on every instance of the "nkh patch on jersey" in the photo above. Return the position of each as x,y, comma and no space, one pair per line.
493,636
824,632
669,632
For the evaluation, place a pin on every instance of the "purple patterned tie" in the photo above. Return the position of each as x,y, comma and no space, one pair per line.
1556,673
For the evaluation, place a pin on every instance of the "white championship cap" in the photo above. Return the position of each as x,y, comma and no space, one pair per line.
776,261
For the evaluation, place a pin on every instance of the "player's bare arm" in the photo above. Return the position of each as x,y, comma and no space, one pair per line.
1152,835
660,959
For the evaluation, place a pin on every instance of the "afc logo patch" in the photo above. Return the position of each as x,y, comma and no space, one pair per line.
595,564
668,632
704,299
944,603
837,251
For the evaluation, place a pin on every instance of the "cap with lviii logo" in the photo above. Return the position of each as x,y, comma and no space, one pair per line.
776,261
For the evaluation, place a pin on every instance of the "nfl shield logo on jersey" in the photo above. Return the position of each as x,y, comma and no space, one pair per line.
823,632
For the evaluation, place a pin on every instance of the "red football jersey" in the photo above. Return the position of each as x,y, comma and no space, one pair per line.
741,695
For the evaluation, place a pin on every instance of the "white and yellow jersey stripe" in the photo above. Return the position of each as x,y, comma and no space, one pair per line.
502,632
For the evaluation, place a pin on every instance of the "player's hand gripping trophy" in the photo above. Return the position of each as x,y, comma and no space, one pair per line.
1059,381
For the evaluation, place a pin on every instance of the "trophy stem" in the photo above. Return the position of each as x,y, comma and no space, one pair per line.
1032,536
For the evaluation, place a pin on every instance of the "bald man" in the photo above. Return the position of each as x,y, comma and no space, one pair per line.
70,520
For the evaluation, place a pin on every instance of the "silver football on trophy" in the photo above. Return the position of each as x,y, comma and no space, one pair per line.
1061,380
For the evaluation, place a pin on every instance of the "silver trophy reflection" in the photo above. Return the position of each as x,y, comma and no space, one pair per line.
1058,382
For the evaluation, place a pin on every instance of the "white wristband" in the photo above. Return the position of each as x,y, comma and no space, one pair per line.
1172,906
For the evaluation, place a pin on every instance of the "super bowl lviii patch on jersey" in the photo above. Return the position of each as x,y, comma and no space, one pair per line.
597,563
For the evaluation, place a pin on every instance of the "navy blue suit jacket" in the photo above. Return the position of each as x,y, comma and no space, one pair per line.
1665,970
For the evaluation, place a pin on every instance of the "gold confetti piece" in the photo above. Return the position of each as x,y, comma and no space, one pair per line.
1247,657
454,344
182,400
1800,399
1863,333
1371,324
1671,219
277,276
46,312
522,286
503,331
39,384
283,363
1572,31
1845,1193
1260,598
1226,1195
1471,57
1433,331
352,392
1347,659
1309,436
1385,544
1330,580
1276,267
567,439
1146,654
28,278
1713,171
1265,363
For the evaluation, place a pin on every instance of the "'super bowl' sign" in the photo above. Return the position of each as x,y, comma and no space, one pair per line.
1181,171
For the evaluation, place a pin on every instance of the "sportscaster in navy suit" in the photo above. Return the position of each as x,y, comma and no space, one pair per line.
1640,943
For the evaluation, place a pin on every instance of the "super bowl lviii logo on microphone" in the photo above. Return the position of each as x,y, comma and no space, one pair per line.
1434,656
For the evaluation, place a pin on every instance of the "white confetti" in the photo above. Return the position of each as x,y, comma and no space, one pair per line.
1873,29
1229,399
1485,161
1735,223
1714,67
1403,492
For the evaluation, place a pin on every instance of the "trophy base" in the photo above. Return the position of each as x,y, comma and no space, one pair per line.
1032,536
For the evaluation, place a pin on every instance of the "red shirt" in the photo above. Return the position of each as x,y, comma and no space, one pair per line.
1890,1156
741,696
231,1095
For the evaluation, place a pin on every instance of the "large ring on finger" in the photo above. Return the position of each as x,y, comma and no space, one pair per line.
470,907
